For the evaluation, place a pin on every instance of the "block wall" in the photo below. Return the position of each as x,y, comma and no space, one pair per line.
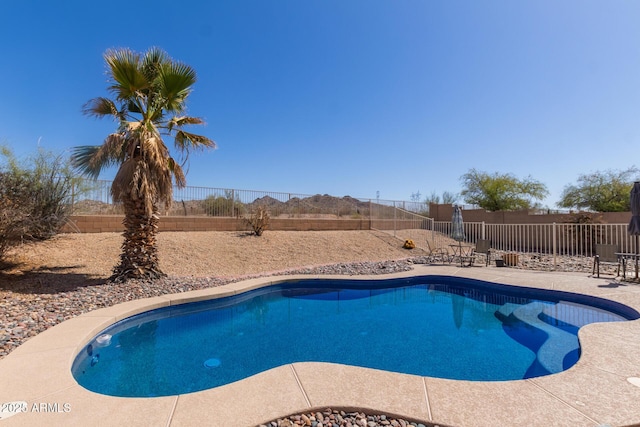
113,223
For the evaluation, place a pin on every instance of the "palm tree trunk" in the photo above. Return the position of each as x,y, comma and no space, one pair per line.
139,257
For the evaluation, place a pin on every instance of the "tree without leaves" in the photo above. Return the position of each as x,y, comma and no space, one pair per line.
606,191
432,198
150,92
500,192
448,198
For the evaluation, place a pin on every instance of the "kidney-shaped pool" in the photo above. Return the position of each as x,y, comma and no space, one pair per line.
435,326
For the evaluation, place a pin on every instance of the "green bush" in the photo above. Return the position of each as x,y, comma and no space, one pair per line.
223,206
34,197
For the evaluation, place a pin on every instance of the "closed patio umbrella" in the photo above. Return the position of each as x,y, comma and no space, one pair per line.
634,224
457,228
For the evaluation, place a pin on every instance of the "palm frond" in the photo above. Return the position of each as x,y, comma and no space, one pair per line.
176,80
179,121
122,186
137,181
129,80
132,126
153,151
178,173
100,107
91,159
152,62
133,107
114,147
183,121
185,141
81,159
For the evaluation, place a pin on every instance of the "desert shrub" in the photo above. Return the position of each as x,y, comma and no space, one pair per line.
580,233
13,210
258,220
345,211
34,197
223,206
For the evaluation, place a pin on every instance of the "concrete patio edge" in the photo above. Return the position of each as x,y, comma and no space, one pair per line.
593,392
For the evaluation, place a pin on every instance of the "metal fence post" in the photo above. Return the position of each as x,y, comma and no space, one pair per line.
233,203
394,218
554,243
483,231
432,227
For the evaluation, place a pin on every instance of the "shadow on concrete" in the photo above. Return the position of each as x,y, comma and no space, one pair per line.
612,285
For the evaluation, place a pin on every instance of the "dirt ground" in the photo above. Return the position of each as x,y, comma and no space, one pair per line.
70,259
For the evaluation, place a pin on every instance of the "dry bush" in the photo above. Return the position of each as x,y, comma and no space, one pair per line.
580,233
258,220
14,212
34,198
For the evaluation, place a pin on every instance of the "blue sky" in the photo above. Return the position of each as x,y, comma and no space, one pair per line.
348,97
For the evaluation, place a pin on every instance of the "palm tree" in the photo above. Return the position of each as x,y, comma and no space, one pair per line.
150,92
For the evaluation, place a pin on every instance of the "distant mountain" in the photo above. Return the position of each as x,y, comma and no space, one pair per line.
268,202
324,204
319,204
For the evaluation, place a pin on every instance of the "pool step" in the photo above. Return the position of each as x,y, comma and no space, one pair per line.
567,316
558,343
505,310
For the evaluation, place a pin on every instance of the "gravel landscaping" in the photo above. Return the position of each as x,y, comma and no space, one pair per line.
45,283
336,418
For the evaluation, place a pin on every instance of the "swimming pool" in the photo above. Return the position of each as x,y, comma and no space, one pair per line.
434,326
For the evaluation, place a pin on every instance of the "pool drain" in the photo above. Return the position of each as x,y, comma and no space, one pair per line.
212,363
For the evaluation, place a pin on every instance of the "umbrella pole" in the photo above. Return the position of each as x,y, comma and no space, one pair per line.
636,256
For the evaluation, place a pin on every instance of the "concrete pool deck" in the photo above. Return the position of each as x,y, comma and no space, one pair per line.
595,391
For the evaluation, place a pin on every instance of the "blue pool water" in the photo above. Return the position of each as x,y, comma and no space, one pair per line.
433,326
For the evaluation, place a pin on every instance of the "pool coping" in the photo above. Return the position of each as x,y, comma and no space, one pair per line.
593,392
